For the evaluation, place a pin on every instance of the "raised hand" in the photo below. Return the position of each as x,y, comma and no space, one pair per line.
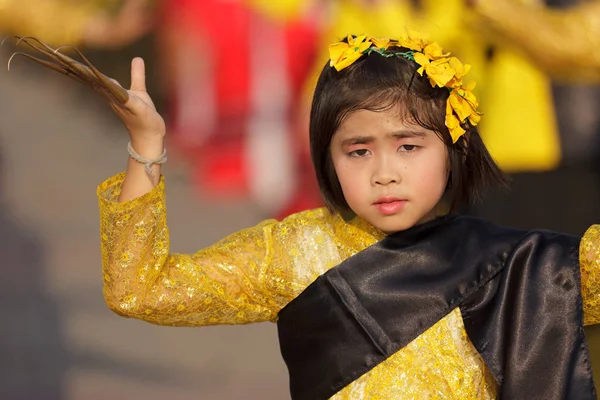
134,106
138,113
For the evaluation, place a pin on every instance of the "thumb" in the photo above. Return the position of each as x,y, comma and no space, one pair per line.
138,75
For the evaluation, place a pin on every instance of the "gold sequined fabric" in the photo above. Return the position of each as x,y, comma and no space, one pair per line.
250,275
589,263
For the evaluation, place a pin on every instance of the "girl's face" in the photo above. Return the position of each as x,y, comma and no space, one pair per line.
393,173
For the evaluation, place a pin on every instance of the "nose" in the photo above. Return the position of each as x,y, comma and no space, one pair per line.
386,171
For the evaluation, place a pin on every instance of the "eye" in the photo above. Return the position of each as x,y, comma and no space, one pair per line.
359,153
407,148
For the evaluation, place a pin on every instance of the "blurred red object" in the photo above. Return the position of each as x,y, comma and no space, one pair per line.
234,84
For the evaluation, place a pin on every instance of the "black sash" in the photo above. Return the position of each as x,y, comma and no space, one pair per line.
519,294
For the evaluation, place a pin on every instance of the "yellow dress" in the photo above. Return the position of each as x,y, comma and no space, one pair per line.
252,274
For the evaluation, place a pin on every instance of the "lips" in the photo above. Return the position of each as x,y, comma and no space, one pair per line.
389,205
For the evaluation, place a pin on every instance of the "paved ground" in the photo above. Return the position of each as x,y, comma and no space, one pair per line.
58,341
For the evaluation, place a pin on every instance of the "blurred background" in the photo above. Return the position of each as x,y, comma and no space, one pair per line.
233,79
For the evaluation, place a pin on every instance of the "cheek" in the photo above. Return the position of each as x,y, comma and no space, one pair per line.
343,171
432,174
349,176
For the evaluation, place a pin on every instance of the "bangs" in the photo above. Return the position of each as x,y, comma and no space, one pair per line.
376,83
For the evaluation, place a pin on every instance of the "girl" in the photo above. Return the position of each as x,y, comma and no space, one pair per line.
383,294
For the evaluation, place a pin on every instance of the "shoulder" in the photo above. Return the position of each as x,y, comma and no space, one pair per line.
289,230
307,221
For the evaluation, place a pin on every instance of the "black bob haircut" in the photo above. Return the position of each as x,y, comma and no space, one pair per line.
378,83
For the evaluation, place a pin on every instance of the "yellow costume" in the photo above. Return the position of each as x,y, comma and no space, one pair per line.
534,44
515,94
564,42
251,275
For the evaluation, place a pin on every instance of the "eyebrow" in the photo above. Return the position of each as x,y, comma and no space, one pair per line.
396,135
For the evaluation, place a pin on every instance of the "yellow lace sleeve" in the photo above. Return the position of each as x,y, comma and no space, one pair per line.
589,260
222,284
560,41
57,22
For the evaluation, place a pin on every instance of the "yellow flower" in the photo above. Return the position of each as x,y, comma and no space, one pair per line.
460,107
344,54
441,70
438,71
460,71
381,43
414,40
474,118
463,102
453,124
434,51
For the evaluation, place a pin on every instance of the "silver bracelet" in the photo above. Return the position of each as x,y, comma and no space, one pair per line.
147,162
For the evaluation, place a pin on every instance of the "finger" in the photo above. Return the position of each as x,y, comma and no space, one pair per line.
138,75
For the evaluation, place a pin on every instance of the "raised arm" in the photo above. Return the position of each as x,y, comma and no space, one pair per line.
218,285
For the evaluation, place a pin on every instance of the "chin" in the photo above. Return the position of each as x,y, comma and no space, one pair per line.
394,226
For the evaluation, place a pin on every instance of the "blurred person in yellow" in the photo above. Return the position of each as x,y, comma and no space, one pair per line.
532,44
542,122
96,23
560,40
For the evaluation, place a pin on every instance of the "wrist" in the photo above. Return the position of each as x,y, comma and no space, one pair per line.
148,147
148,163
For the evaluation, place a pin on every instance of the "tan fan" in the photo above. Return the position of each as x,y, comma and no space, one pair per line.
83,72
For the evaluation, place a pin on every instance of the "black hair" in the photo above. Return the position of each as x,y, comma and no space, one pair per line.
379,83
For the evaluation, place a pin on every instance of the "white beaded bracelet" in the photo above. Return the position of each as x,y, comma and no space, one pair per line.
147,162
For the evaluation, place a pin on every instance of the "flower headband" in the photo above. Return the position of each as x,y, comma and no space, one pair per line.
441,70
